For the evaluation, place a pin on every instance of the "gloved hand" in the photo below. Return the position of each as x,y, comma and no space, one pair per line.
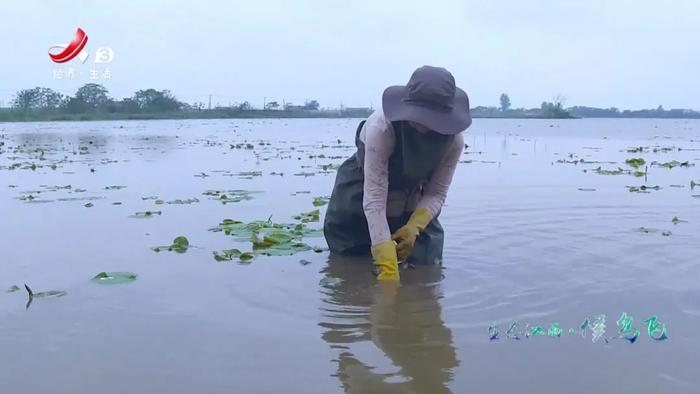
384,254
406,235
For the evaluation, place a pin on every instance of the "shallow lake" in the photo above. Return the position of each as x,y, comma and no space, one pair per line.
534,235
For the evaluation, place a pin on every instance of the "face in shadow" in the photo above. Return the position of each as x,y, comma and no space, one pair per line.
390,337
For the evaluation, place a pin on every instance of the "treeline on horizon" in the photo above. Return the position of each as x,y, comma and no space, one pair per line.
93,102
556,109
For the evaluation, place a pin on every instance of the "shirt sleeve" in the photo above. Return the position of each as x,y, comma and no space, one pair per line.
435,192
379,140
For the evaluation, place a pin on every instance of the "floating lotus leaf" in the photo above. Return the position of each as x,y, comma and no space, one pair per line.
312,216
146,214
320,201
635,162
179,245
113,278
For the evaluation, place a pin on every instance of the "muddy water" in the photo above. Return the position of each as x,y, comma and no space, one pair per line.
533,235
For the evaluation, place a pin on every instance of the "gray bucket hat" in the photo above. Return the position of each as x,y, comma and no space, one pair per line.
430,98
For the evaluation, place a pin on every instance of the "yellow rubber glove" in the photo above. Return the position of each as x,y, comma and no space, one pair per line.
406,235
384,254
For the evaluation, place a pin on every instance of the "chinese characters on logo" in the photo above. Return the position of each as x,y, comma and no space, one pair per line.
595,324
93,74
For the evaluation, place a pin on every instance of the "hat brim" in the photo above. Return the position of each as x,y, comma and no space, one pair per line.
451,121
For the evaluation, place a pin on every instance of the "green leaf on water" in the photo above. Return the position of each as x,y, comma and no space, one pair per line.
672,164
146,214
181,202
602,171
228,196
312,216
263,243
320,201
246,257
643,188
302,230
89,205
285,249
329,167
112,278
269,238
676,220
249,174
635,162
12,289
305,174
227,255
179,245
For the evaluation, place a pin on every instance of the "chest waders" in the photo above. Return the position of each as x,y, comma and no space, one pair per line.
415,158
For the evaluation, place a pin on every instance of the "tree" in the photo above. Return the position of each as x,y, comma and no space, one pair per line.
92,96
128,105
37,98
25,99
75,106
244,106
272,105
555,109
505,102
151,100
311,105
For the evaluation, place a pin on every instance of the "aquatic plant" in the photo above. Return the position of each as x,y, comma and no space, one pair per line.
231,254
676,220
146,214
114,277
601,171
672,164
320,201
635,162
312,216
642,188
228,196
180,245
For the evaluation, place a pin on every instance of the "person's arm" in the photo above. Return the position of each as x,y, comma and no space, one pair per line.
435,192
434,195
379,143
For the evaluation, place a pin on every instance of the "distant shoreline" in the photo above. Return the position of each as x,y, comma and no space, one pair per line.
11,116
17,117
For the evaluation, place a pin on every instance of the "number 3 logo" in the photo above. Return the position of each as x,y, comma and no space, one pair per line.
104,55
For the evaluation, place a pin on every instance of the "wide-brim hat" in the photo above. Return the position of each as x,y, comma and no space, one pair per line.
430,98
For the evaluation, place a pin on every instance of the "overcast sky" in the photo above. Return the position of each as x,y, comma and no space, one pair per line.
629,54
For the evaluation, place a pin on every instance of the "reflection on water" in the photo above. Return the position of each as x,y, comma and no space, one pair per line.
390,338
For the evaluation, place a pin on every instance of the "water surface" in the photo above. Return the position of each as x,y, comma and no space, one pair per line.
532,235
